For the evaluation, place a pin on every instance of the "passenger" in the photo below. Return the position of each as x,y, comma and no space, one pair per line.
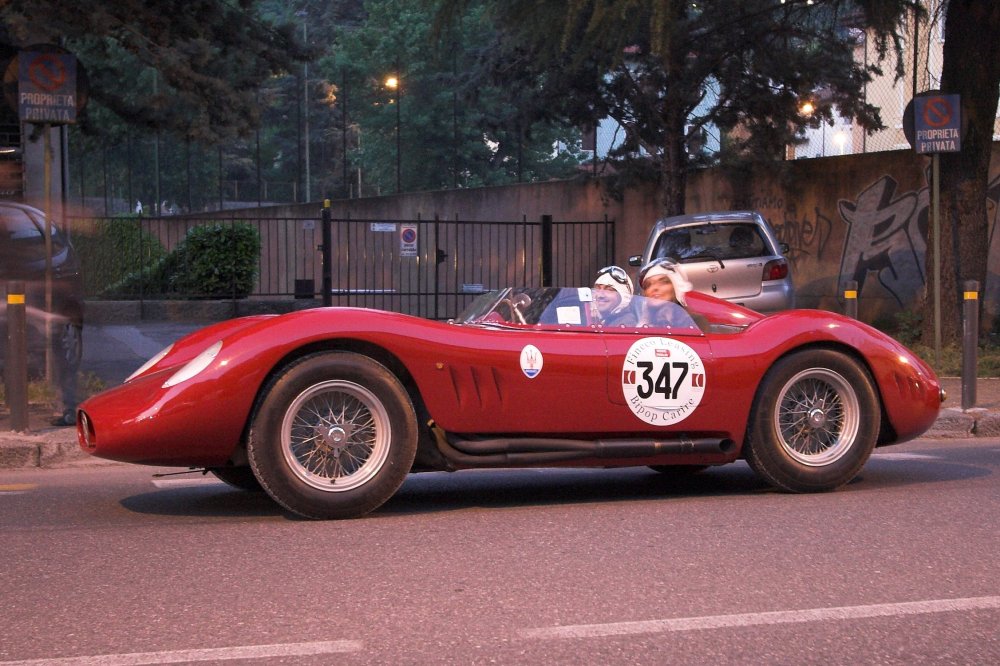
664,287
612,296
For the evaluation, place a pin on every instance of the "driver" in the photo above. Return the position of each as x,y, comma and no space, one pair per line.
612,293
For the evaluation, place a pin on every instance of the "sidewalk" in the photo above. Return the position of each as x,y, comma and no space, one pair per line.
48,446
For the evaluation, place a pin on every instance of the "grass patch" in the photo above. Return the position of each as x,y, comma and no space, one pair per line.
41,392
987,360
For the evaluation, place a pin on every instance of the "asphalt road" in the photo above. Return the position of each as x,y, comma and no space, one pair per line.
113,351
107,565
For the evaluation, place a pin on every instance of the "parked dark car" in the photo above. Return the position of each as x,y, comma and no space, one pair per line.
22,258
733,255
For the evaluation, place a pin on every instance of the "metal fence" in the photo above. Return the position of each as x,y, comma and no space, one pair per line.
431,268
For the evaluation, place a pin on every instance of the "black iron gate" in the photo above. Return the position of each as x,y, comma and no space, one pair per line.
430,268
434,268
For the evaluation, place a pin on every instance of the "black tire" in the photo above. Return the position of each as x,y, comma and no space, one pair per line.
814,423
241,478
333,437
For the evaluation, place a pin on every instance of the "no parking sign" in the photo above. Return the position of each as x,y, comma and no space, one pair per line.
408,240
932,123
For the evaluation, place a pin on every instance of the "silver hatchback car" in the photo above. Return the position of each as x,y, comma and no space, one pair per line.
734,255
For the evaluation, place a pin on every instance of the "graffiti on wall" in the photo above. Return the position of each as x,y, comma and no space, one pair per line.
886,237
806,237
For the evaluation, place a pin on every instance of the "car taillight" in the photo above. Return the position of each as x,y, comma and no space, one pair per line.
776,269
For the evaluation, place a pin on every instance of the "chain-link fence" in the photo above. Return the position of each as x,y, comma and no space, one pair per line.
922,63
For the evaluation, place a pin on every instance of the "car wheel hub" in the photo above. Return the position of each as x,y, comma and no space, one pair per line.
817,417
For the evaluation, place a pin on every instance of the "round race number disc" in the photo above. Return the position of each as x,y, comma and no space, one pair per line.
663,380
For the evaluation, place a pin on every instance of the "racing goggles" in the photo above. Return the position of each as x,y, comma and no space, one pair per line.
617,274
667,265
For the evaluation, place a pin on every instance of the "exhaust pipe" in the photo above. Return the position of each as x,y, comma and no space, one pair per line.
517,451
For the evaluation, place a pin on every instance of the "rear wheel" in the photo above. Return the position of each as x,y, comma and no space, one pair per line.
334,436
815,422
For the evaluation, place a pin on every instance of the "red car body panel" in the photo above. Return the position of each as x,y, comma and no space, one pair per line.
472,379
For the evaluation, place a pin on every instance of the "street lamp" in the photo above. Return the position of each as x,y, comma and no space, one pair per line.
392,83
305,102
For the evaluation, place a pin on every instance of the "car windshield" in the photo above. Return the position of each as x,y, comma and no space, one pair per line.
566,307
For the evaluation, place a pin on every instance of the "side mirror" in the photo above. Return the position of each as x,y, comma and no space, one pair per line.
635,260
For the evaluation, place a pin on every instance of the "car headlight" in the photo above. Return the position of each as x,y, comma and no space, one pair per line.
194,366
150,363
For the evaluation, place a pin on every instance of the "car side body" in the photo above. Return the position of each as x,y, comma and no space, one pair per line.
499,388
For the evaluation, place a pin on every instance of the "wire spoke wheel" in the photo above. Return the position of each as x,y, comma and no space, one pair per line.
815,421
818,417
335,436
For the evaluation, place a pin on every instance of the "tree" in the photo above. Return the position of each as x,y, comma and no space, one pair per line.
187,66
666,69
456,129
971,69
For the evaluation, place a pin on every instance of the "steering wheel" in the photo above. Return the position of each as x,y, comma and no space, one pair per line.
513,307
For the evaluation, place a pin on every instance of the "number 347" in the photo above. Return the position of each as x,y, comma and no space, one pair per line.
667,380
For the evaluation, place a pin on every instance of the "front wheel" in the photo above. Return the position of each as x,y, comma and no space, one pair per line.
333,437
815,422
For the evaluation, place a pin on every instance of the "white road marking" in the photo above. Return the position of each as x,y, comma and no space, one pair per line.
191,481
905,456
17,488
766,618
210,654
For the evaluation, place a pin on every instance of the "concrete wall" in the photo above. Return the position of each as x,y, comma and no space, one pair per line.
858,217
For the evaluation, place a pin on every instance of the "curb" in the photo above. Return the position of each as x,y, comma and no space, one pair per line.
51,448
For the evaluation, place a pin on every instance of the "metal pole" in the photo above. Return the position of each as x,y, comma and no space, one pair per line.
546,250
936,223
16,365
970,343
327,255
343,125
50,370
399,153
305,111
851,299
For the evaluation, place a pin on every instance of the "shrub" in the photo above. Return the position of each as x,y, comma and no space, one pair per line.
219,261
110,250
214,261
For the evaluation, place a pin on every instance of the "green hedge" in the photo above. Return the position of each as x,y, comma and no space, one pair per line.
110,250
214,261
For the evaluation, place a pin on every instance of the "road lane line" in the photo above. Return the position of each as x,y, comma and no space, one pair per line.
16,488
191,481
905,456
756,619
209,654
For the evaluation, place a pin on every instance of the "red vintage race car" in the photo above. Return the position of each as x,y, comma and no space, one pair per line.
328,410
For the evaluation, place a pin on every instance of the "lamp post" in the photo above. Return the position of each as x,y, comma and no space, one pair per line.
305,103
392,83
